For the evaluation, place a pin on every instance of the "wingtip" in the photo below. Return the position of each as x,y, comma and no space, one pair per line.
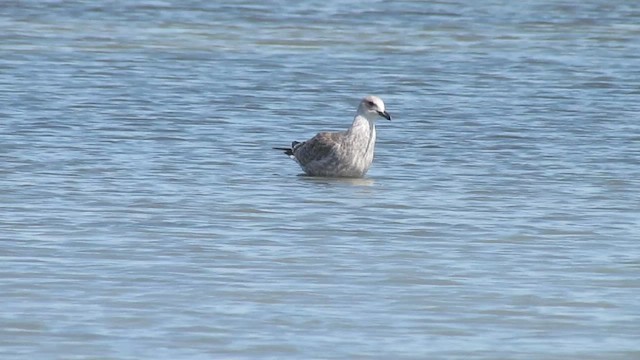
287,151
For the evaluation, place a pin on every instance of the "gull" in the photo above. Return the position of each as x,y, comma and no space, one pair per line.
342,154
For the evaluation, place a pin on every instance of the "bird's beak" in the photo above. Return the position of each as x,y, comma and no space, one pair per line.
384,114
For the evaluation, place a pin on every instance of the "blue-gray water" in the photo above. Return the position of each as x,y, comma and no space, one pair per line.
143,214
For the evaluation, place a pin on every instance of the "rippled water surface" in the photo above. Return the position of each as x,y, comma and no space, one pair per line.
143,213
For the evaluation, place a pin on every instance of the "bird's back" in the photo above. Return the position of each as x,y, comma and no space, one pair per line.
319,150
331,154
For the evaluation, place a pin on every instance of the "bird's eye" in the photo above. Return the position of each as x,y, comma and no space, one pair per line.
370,104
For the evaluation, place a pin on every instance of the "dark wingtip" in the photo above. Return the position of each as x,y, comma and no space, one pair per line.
287,151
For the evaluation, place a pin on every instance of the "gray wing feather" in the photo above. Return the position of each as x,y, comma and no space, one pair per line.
320,147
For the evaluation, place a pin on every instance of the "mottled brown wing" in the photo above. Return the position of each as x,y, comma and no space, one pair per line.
318,147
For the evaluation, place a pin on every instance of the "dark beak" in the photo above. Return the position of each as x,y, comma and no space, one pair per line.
384,114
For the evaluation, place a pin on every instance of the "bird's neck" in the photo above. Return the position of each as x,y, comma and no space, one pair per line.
363,133
361,127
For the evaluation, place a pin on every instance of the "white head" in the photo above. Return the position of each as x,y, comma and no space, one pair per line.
371,107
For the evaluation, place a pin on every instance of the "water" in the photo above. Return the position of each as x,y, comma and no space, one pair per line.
144,214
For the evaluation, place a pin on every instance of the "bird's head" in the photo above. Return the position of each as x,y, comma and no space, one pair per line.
371,107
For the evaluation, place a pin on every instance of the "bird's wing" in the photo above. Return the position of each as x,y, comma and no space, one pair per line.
319,147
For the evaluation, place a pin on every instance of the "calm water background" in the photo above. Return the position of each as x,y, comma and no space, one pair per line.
143,213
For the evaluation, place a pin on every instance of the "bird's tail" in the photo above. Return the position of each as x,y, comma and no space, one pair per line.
287,151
